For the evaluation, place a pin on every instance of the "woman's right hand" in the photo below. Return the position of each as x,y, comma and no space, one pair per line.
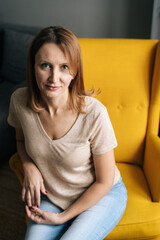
33,182
32,185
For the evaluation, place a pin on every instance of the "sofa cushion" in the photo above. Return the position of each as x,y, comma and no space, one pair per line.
14,55
1,47
1,38
7,134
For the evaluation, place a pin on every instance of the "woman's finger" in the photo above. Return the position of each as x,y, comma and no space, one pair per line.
42,188
28,211
33,214
37,198
33,197
23,194
28,199
37,211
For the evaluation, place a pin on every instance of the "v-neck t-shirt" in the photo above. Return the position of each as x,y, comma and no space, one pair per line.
66,164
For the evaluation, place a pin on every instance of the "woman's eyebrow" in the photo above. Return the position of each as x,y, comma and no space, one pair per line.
64,63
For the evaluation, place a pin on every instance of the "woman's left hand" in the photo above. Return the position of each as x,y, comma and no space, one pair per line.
43,217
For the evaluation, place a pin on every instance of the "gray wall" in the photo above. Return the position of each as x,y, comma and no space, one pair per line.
86,18
155,30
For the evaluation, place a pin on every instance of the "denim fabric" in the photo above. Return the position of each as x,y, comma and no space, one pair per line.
93,224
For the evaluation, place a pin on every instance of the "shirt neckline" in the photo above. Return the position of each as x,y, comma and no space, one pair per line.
66,135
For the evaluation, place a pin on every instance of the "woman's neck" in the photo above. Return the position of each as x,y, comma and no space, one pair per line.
54,106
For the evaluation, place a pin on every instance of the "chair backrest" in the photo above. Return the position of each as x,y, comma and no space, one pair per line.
122,69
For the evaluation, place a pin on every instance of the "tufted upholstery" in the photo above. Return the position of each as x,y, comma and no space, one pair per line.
128,75
122,69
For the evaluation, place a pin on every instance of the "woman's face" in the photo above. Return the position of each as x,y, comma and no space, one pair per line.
52,71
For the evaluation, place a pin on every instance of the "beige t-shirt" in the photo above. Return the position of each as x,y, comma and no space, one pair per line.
66,164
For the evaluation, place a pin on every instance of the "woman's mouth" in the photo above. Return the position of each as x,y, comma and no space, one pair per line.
52,88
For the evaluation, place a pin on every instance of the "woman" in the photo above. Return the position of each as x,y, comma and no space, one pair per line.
72,187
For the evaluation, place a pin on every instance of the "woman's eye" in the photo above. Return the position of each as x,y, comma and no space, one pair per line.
45,65
65,67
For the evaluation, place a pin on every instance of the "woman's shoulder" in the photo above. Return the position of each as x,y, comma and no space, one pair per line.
94,106
19,98
19,95
20,92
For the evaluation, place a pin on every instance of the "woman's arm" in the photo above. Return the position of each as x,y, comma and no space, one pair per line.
33,182
104,170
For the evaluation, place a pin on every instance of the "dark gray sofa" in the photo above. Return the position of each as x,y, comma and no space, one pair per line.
14,43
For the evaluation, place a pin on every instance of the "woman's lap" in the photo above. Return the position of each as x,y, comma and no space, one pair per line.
94,223
46,232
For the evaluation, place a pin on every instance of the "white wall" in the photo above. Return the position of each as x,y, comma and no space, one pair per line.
86,18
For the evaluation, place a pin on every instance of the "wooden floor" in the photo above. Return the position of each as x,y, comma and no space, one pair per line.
12,213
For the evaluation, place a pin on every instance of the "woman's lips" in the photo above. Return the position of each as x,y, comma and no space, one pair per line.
53,88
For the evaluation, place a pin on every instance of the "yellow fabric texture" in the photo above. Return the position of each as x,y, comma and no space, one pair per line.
128,76
141,219
152,154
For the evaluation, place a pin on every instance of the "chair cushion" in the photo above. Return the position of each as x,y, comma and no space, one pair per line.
14,55
16,165
142,216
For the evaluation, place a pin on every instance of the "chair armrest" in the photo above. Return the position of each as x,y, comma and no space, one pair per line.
16,165
152,166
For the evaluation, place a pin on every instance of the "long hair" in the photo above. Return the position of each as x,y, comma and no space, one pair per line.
71,48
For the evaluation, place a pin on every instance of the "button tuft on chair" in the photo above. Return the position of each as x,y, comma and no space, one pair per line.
139,107
119,107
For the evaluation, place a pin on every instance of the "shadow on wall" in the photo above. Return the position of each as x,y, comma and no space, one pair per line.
139,18
128,19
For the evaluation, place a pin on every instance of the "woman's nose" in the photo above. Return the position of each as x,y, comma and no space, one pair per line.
54,76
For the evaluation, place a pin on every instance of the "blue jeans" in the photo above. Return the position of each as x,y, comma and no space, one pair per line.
93,224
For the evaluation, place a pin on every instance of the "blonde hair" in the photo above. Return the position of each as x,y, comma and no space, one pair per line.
71,48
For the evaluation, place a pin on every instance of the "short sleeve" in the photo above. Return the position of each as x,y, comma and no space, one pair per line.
13,116
103,138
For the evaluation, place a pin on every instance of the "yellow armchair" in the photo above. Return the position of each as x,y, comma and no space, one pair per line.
128,73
